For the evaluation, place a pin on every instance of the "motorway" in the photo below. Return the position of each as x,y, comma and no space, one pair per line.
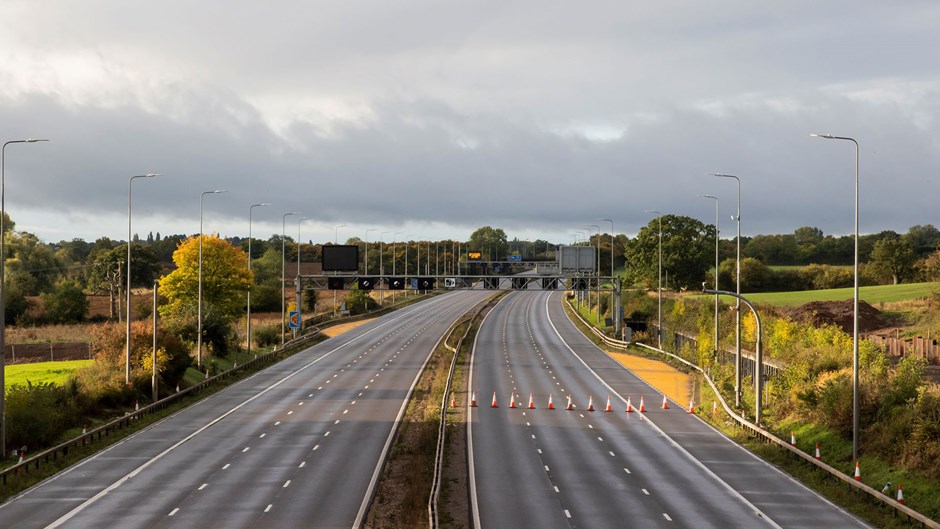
545,469
300,444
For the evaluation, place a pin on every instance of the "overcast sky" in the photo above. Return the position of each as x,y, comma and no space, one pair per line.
432,118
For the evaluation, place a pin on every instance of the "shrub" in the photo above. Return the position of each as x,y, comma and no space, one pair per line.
66,304
36,414
266,335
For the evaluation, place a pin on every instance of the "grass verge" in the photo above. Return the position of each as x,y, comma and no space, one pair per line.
42,372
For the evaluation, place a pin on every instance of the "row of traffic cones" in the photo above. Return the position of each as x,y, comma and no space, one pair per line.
551,404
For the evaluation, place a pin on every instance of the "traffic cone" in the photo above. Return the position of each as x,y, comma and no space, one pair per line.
551,405
792,439
494,404
691,406
207,375
453,400
473,399
512,400
84,429
177,388
642,406
629,406
136,405
665,403
590,403
818,456
570,406
531,405
858,472
715,409
900,495
608,408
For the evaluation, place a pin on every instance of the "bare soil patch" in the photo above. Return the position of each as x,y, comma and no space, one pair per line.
840,314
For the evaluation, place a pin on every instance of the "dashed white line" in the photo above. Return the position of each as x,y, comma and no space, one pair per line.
546,468
277,423
174,511
666,516
556,488
204,485
627,470
646,492
262,436
611,454
568,514
268,508
246,449
601,439
286,483
327,434
302,464
226,466
315,448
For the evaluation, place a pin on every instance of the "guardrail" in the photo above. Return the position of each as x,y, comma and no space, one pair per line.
442,428
61,451
769,437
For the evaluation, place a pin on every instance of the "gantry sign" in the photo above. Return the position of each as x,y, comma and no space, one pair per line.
462,282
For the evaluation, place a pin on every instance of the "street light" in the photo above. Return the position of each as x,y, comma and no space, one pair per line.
248,330
616,317
597,262
199,309
382,252
855,411
759,360
127,363
336,233
3,423
715,351
299,292
737,306
659,330
283,271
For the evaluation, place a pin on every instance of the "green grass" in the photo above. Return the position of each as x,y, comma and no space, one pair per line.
875,294
41,372
778,268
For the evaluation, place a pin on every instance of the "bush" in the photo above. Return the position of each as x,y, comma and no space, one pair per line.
36,414
266,335
265,298
66,304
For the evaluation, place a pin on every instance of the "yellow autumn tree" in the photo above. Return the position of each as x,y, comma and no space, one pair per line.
225,279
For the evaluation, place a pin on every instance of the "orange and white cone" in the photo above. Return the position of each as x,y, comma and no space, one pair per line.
570,406
84,429
629,406
900,495
818,455
792,439
590,403
858,472
494,404
642,406
665,403
608,407
512,400
531,405
473,399
691,406
207,374
136,405
177,388
551,405
715,408
453,400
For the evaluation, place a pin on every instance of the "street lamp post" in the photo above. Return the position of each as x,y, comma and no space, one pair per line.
283,270
616,317
715,344
153,376
199,308
248,303
659,330
855,410
597,260
737,301
395,257
299,291
336,233
127,345
3,423
759,360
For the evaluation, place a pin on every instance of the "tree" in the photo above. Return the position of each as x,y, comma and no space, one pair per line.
687,251
491,241
929,267
66,304
225,279
40,267
894,257
924,240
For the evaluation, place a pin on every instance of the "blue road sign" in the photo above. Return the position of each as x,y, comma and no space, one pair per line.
294,320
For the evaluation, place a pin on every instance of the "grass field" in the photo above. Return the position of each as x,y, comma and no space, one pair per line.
41,372
777,268
876,294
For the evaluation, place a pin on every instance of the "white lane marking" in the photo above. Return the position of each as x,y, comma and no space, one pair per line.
351,403
360,394
310,395
327,434
174,511
367,387
277,423
246,449
286,483
345,411
556,488
336,421
539,449
591,426
627,470
327,381
268,508
302,464
321,387
290,412
601,439
645,492
611,454
204,485
315,448
300,403
568,514
533,436
226,466
262,436
653,425
546,468
666,516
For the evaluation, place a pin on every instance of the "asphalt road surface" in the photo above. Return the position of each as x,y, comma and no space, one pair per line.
297,445
541,468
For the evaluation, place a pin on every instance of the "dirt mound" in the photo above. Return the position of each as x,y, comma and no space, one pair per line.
840,313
